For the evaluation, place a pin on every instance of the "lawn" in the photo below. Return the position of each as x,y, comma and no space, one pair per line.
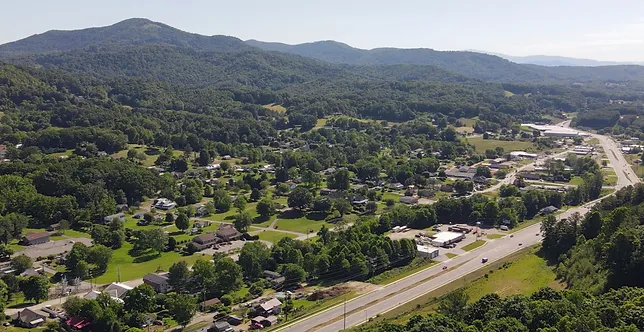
66,153
276,108
274,236
467,122
76,234
145,264
474,245
451,255
507,93
486,144
321,122
387,277
150,156
295,221
576,180
495,236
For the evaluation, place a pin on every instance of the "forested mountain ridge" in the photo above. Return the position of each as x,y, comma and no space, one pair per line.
131,32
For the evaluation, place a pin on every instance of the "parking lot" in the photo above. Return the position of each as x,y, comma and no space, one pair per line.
52,248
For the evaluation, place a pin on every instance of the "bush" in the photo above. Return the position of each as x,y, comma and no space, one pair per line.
226,299
390,202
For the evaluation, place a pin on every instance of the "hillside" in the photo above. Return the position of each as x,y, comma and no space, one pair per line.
136,31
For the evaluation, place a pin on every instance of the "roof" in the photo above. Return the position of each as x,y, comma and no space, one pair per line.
258,319
36,236
221,325
210,302
271,274
447,236
30,316
272,319
269,305
117,289
77,322
205,238
154,278
227,231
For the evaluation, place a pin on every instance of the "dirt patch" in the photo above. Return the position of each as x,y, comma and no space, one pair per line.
355,286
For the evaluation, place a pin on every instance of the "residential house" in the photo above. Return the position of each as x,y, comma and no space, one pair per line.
276,279
234,320
117,289
448,188
262,322
496,163
120,216
396,186
426,193
35,238
159,282
359,200
221,326
548,210
326,191
122,207
53,227
30,319
409,199
32,272
164,204
228,232
207,304
204,241
270,307
138,215
480,179
531,176
93,295
201,210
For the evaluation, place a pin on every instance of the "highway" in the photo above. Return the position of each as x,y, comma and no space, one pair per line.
388,297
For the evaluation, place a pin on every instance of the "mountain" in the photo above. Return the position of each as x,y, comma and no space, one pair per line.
472,64
554,61
131,32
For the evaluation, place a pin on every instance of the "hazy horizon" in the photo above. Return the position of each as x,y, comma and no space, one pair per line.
590,29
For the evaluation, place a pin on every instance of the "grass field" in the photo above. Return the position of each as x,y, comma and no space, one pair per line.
523,272
473,245
273,236
576,180
66,153
495,236
136,267
467,122
507,93
298,223
149,158
484,144
276,108
451,255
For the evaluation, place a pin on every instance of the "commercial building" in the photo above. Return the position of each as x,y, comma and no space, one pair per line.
428,252
522,155
35,238
444,238
553,131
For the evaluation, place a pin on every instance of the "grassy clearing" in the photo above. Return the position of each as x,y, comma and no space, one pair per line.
481,145
495,236
276,108
451,255
296,221
474,245
273,236
593,141
507,93
65,153
150,156
136,267
467,122
321,122
418,264
522,272
576,180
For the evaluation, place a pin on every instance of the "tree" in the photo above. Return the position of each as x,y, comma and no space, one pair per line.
340,180
21,263
141,299
294,274
63,225
372,206
265,208
322,204
178,275
5,252
240,203
252,259
81,270
243,221
256,289
169,218
342,206
453,304
225,166
204,158
182,222
222,200
483,171
255,195
228,275
463,187
4,295
35,288
154,239
100,256
300,198
182,307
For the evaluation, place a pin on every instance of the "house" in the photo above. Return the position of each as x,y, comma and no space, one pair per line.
548,210
122,207
53,227
164,204
448,188
117,289
35,238
530,176
93,295
480,179
270,307
276,279
32,272
77,323
396,186
270,321
221,326
262,322
409,199
138,215
205,305
326,191
30,319
359,200
201,211
228,233
204,241
159,282
426,193
120,216
234,320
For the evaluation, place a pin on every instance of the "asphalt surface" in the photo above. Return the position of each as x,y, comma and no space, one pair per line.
393,295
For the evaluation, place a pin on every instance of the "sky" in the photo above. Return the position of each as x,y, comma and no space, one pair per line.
594,29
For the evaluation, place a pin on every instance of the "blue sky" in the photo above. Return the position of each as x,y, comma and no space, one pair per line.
596,29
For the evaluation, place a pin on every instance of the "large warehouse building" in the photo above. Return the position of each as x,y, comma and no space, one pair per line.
553,131
443,238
